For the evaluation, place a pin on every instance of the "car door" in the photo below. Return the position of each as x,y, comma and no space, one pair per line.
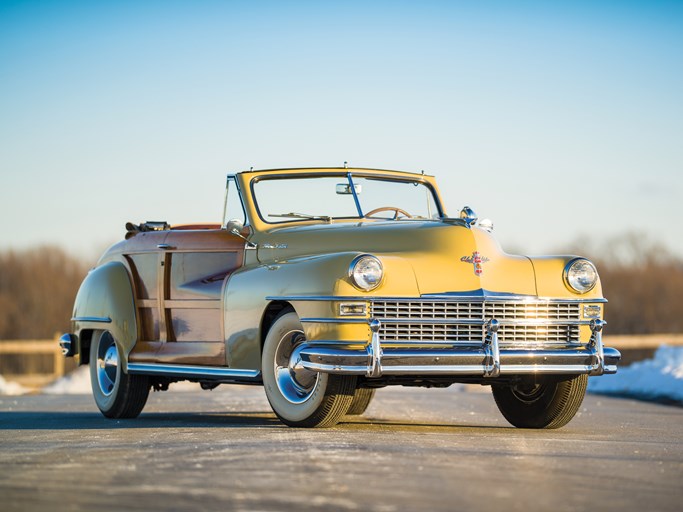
181,318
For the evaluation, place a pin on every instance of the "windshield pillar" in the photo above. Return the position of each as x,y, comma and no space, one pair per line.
355,196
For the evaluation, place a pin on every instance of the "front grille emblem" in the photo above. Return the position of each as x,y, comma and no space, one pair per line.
477,260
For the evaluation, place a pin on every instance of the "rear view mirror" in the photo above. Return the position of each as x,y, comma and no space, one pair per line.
344,189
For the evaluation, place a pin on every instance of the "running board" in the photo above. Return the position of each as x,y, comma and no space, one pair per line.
212,373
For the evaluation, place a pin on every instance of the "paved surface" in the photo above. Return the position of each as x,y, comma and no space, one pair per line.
415,449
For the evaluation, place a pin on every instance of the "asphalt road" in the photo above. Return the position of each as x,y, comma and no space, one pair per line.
415,449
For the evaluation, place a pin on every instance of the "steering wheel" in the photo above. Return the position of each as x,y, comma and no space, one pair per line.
390,209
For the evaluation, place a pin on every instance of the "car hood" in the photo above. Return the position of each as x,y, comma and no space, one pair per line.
444,257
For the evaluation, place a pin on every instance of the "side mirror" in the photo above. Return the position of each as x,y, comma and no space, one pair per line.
234,225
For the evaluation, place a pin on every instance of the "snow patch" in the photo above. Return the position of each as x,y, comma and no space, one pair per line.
659,378
75,383
12,388
78,383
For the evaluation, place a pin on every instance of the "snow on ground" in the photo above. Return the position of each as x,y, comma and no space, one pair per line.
78,383
12,388
659,378
75,383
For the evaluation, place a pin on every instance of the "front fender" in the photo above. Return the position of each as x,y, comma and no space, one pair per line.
549,272
247,291
105,301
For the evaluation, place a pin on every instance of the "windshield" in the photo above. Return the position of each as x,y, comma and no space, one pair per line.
284,199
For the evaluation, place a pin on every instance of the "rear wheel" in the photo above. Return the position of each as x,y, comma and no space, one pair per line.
361,400
117,394
544,404
300,397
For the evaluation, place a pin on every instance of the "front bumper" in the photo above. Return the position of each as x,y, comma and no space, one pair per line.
487,360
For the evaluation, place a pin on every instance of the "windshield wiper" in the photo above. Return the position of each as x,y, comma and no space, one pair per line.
294,215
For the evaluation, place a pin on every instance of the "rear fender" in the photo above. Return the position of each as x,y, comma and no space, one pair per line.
105,301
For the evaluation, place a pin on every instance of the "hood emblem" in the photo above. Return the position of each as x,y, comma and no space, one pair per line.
477,260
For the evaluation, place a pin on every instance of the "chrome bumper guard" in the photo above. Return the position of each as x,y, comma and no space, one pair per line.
487,360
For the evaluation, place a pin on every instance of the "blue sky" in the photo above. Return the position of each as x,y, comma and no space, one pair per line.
559,121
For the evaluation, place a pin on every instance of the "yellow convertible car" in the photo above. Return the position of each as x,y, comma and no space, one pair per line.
325,284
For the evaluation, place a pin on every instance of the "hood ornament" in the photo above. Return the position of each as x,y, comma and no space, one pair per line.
477,260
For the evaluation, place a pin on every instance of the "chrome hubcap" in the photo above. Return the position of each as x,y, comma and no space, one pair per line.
529,393
295,383
107,365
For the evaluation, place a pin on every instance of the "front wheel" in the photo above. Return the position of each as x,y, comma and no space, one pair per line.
300,397
544,404
117,394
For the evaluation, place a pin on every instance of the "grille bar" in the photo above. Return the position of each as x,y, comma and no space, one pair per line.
522,323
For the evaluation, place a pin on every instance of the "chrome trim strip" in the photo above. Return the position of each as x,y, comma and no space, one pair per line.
472,321
189,371
432,298
322,343
335,320
99,319
455,344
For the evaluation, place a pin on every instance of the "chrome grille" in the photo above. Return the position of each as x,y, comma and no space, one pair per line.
522,322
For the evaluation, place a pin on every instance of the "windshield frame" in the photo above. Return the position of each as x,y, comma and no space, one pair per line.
349,175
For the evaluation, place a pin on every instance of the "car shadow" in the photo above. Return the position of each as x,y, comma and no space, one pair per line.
39,420
64,420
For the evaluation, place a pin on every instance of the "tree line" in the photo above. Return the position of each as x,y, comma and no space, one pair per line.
642,281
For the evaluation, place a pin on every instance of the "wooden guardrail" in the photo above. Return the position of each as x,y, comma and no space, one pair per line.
641,341
636,347
32,363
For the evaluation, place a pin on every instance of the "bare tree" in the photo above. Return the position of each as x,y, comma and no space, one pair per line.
642,280
37,291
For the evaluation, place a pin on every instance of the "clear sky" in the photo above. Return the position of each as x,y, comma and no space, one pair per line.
557,120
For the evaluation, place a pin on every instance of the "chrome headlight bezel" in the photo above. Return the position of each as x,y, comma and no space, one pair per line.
572,278
361,266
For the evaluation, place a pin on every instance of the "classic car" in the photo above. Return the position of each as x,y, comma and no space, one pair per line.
326,284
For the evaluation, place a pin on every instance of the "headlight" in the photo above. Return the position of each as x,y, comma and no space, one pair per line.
366,272
580,275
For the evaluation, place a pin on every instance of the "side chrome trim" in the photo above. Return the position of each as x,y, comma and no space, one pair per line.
99,319
192,372
335,320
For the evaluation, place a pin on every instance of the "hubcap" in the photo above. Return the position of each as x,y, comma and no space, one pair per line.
529,393
107,364
295,382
